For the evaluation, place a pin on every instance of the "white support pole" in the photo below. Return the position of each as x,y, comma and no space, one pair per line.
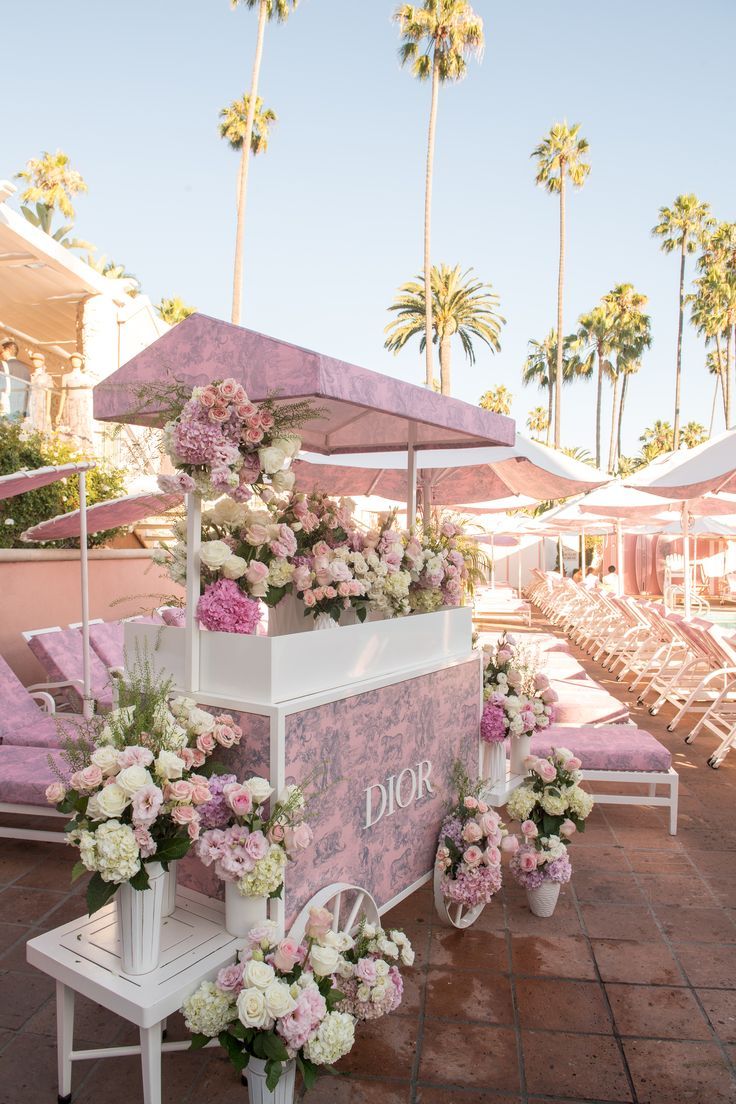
582,551
620,557
426,500
194,540
87,702
493,561
561,556
411,476
686,557
519,555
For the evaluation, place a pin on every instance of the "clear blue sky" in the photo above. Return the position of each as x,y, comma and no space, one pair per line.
132,93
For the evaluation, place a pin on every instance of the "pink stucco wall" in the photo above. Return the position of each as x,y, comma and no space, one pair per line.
37,591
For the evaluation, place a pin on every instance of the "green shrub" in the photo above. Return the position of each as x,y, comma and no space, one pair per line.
19,450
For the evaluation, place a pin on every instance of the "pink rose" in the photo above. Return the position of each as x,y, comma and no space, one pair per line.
365,970
239,798
473,856
321,548
541,682
179,791
330,592
482,807
471,802
145,841
185,814
254,435
87,779
286,955
343,589
510,845
224,735
245,409
530,762
493,856
187,756
546,770
573,764
549,696
206,742
276,834
229,388
528,862
297,839
193,830
504,655
472,832
529,829
567,828
201,794
208,398
55,793
198,758
135,757
309,599
230,979
319,923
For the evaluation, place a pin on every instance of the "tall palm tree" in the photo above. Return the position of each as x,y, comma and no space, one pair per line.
683,227
52,183
497,399
234,122
561,154
268,10
174,310
540,367
438,38
538,422
631,334
462,306
595,333
714,310
706,314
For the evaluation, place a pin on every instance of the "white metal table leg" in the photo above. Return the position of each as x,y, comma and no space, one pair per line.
151,1063
64,1040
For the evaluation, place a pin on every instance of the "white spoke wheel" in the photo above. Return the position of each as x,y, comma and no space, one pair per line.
348,905
451,914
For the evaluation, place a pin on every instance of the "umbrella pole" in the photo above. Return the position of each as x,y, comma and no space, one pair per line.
194,540
411,477
686,557
620,557
493,562
426,501
518,569
561,556
87,703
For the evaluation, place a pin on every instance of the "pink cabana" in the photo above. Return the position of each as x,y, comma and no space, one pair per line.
113,514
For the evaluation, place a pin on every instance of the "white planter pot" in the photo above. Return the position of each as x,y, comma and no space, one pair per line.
324,621
494,763
543,899
288,617
170,894
139,922
521,746
255,1075
243,913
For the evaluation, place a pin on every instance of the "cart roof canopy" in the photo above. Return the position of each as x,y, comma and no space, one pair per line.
365,411
112,514
30,479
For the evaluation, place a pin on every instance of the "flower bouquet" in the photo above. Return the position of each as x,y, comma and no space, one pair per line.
467,870
517,699
438,567
278,1007
222,443
370,978
551,807
249,847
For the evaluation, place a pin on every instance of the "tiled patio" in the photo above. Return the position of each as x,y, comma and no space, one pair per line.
628,993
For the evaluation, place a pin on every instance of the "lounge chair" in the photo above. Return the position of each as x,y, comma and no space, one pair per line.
25,772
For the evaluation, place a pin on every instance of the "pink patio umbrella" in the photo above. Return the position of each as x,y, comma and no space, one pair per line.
686,475
21,482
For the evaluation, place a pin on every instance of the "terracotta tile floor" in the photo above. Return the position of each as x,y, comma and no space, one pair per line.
628,993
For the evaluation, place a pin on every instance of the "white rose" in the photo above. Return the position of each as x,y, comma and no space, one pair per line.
279,1001
234,567
252,1009
387,947
258,974
227,512
381,968
111,800
363,993
369,930
106,758
214,553
200,721
132,779
259,788
407,955
289,445
283,481
324,960
378,993
168,766
272,459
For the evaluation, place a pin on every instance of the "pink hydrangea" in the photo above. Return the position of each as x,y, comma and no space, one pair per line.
224,608
492,724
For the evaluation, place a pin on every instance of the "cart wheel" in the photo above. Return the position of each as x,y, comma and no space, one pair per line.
451,914
347,903
714,763
653,711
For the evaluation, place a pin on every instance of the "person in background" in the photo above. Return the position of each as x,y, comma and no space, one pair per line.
15,382
591,582
577,576
610,580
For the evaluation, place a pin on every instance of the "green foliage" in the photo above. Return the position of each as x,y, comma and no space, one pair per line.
497,399
19,450
439,34
560,154
174,310
99,893
233,124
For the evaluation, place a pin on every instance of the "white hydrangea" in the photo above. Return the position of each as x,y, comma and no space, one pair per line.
266,876
554,804
280,573
112,851
208,1011
579,802
334,1039
521,803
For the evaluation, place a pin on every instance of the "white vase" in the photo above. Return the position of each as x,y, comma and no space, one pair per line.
287,617
543,899
521,746
494,762
255,1075
170,895
243,913
139,922
325,621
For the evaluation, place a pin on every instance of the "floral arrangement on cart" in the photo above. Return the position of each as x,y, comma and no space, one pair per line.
552,807
467,871
517,702
289,1003
134,785
249,845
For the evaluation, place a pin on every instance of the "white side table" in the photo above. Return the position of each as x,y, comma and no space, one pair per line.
83,957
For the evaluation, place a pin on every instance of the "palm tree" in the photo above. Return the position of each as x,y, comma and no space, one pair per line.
234,119
174,310
52,182
540,366
595,333
538,422
693,434
707,316
462,305
631,334
497,399
656,439
268,10
682,226
438,38
561,154
714,303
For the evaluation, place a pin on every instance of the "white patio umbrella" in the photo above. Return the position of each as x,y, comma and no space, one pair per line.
709,468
